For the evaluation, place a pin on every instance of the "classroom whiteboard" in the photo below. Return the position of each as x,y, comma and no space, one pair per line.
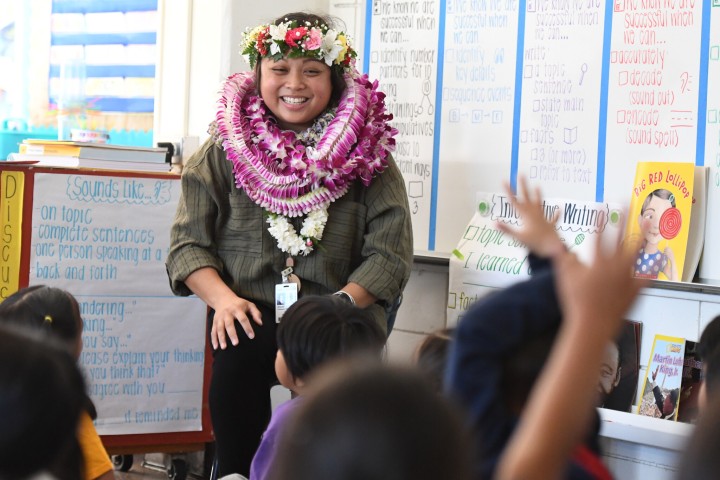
104,238
570,93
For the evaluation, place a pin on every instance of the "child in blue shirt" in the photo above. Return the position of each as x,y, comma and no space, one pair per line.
521,358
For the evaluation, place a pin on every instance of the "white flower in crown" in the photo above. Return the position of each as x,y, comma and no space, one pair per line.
277,33
331,46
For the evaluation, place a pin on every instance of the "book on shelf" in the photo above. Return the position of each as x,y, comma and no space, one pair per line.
696,235
620,369
662,195
663,378
65,161
97,151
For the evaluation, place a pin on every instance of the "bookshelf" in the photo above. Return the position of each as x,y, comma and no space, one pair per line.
653,432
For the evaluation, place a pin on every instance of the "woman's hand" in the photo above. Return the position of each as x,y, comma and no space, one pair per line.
226,312
207,284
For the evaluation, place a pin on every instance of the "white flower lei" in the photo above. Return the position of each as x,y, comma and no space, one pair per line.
288,239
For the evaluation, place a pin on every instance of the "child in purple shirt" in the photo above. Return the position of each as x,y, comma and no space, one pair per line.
313,330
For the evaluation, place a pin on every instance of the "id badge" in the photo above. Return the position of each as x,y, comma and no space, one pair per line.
285,295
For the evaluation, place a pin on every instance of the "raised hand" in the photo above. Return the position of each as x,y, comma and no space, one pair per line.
537,231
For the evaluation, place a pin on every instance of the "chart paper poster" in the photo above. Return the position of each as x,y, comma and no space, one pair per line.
143,348
404,58
486,258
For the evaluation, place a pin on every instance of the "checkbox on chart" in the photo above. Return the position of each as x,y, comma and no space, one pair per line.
533,172
452,300
528,71
536,105
621,116
471,233
712,116
623,77
715,52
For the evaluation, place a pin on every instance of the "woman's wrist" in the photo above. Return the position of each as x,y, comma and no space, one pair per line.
346,297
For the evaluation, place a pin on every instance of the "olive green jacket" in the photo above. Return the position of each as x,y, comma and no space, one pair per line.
367,239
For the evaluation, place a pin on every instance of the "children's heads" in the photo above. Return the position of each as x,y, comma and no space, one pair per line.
46,308
431,356
374,423
41,396
655,204
708,350
316,329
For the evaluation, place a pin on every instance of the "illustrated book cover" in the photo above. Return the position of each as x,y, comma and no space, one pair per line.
662,196
663,378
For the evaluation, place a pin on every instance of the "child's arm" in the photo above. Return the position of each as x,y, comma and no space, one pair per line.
593,299
537,231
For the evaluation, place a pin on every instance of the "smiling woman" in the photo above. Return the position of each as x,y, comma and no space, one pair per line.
300,185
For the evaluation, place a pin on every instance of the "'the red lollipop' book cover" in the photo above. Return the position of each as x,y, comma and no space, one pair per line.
662,196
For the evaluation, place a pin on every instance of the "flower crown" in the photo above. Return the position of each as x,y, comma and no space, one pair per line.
294,39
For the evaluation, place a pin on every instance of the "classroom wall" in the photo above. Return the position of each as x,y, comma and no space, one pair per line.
189,87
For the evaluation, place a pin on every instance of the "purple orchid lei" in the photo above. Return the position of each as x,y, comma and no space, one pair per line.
283,175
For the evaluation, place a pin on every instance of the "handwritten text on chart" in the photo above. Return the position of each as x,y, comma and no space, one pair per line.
651,108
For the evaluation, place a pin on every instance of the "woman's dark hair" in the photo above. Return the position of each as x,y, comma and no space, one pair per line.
316,329
431,356
376,423
41,397
47,308
336,75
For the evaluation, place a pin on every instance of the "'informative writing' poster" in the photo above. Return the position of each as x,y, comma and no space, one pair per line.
105,239
486,258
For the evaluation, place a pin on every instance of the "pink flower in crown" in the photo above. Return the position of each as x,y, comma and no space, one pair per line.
293,36
314,40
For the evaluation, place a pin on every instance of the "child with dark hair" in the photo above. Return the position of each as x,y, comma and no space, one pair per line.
520,360
708,351
431,356
373,422
700,460
40,403
57,312
313,331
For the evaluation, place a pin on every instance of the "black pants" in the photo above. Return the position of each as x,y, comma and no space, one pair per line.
240,394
